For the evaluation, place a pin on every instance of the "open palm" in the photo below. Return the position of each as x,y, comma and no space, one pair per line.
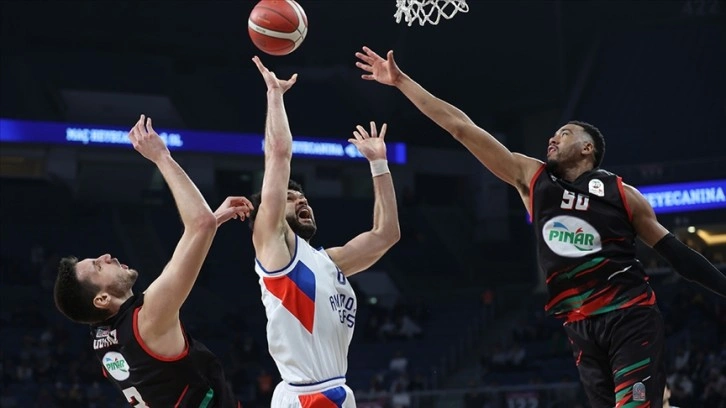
371,145
381,70
271,79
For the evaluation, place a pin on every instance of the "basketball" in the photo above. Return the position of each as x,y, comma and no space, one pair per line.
277,27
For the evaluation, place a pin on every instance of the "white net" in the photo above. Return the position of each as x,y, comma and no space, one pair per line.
428,11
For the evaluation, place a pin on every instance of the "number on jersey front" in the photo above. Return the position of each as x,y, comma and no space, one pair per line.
134,398
571,201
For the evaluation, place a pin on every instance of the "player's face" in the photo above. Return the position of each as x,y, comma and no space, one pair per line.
108,274
299,215
566,146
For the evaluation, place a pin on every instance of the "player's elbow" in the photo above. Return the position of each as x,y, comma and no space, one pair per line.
390,236
204,223
278,149
459,128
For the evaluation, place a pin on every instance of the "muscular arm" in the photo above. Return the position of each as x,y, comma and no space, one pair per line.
269,236
159,317
367,248
684,260
513,168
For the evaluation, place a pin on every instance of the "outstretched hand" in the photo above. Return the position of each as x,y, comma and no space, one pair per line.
233,207
373,145
381,70
146,141
271,79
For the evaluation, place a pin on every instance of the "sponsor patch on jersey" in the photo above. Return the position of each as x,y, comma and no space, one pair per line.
108,340
595,186
116,365
639,391
571,237
102,331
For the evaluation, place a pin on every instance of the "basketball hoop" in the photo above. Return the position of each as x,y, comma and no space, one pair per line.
428,11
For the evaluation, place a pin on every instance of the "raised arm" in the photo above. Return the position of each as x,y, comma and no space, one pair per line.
513,168
367,248
159,317
270,234
684,260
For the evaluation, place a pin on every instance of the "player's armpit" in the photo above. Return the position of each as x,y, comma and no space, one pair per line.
646,225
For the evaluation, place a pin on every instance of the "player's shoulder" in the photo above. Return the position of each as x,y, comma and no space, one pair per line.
602,173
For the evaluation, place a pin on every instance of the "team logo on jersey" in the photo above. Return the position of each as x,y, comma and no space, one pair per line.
639,391
345,307
116,365
104,340
596,186
571,237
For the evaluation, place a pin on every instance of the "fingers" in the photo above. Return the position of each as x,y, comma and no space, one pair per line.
292,79
362,132
149,128
237,206
370,53
259,64
389,57
133,136
239,201
364,67
241,212
140,126
368,60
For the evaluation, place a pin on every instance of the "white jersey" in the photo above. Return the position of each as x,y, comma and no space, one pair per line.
310,309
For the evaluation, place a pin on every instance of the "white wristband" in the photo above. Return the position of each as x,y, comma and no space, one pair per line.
379,167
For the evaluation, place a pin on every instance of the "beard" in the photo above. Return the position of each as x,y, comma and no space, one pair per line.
124,283
553,166
305,231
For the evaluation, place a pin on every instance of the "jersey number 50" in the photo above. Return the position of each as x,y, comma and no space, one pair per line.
571,200
134,398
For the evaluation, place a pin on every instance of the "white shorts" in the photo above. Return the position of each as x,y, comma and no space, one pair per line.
326,394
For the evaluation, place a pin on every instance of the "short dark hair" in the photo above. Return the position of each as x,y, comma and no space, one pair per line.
256,198
597,138
74,297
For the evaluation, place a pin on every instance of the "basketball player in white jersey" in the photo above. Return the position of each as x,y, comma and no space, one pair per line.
309,302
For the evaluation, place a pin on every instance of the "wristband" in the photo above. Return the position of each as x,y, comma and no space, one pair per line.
379,167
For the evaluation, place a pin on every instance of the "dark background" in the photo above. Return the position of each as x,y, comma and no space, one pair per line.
650,74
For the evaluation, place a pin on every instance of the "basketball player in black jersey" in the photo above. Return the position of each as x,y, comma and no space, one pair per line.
586,221
138,338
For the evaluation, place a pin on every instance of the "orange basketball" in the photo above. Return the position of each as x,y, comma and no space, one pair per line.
277,27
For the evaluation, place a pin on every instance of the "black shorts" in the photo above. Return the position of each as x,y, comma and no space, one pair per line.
619,356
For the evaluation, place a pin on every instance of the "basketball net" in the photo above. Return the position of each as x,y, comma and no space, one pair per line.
428,11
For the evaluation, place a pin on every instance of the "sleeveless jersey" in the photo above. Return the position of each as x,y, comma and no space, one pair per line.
586,245
191,380
310,309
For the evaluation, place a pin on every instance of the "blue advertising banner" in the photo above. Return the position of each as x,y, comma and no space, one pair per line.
682,197
21,131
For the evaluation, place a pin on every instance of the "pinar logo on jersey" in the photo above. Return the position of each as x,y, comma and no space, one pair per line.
116,365
571,237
